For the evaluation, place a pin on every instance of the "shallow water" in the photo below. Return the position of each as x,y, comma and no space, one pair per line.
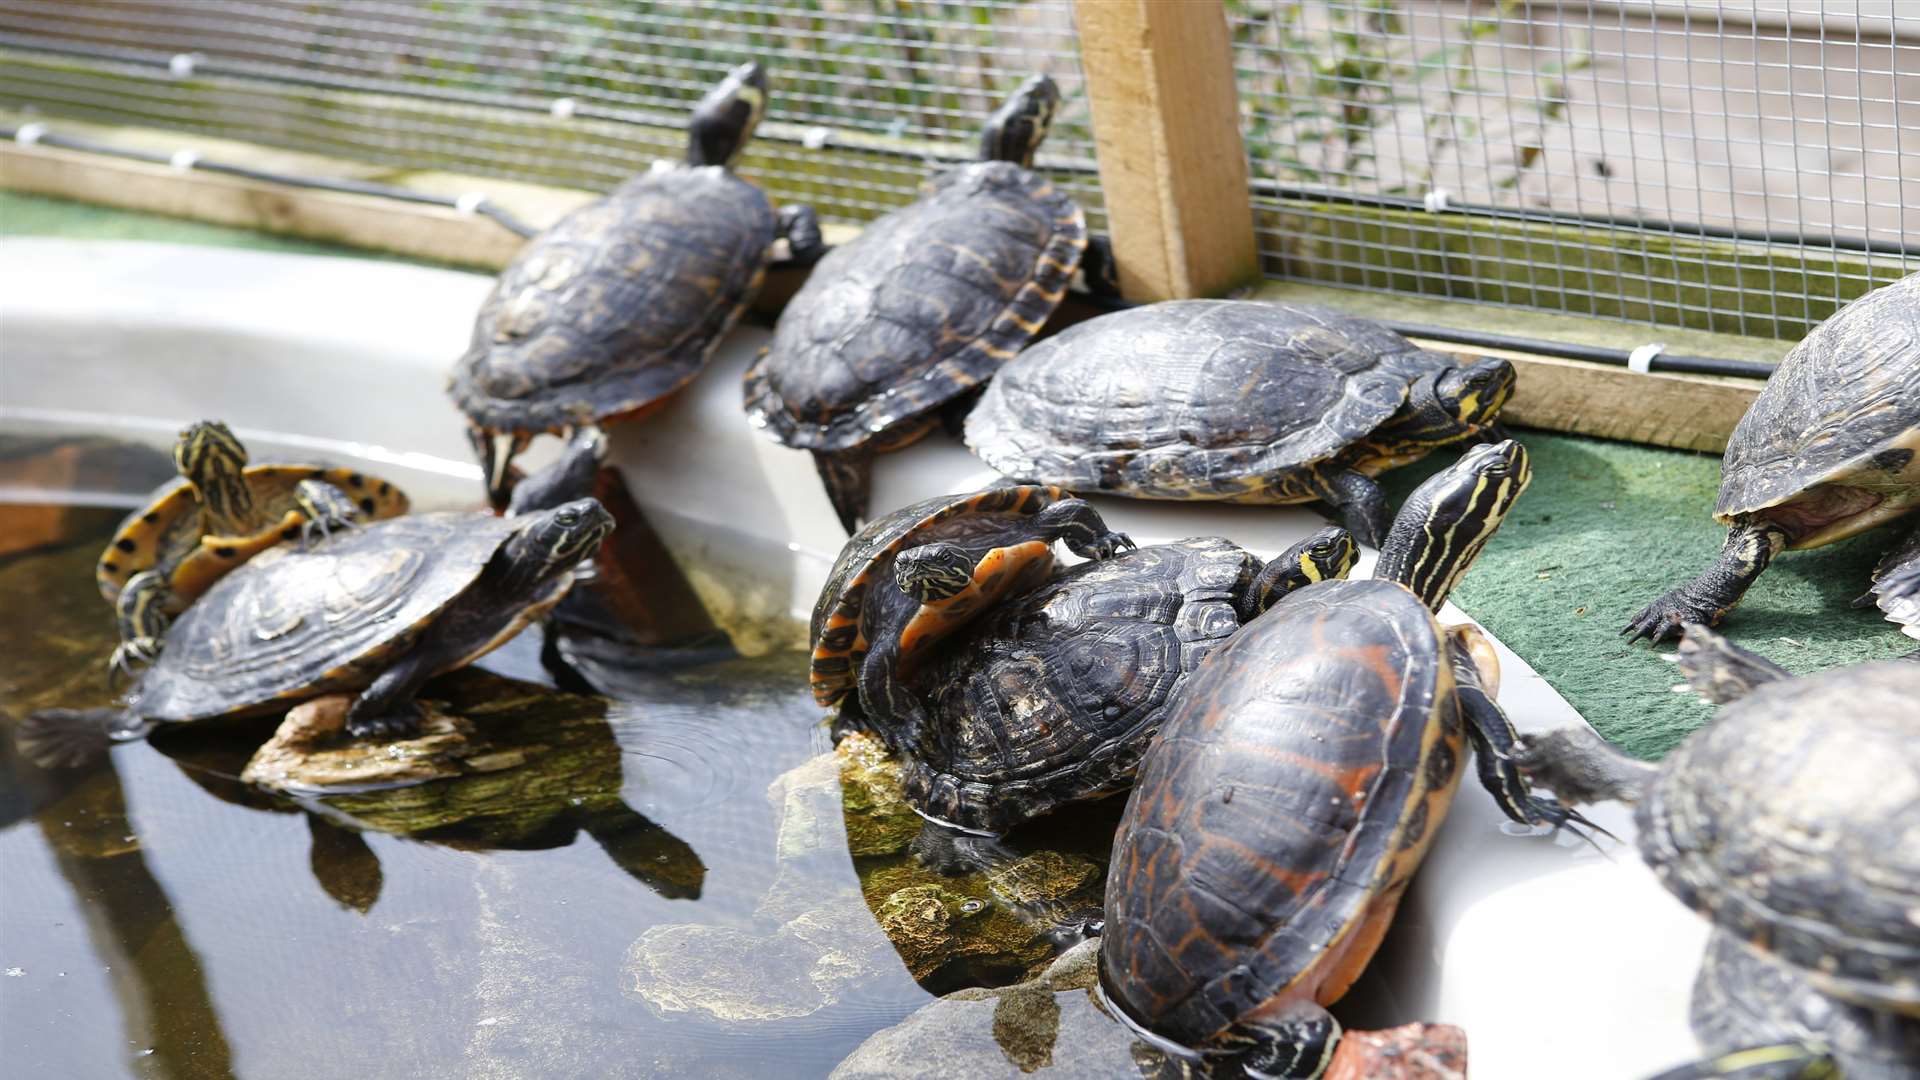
644,895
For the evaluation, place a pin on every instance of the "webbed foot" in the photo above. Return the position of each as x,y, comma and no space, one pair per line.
1662,619
1104,546
402,722
1578,765
322,527
139,650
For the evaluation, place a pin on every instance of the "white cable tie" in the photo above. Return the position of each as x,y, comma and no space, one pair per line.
1640,360
470,203
30,134
1435,200
181,65
562,108
183,160
815,137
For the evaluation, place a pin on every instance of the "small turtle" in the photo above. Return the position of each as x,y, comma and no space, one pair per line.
624,300
1054,696
1830,448
1792,821
1232,399
217,515
381,610
1296,784
909,579
924,306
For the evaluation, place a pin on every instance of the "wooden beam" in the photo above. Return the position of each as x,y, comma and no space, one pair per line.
1166,121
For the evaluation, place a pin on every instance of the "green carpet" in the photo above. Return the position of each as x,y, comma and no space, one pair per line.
1605,528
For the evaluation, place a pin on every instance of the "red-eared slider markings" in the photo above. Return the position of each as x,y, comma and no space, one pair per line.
867,561
1277,819
926,303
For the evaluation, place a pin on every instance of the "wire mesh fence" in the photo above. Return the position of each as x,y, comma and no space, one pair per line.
1733,165
868,96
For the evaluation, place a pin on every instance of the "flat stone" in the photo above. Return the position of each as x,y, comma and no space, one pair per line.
310,751
1409,1052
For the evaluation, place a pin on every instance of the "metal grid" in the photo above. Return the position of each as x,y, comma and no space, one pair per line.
1731,165
868,96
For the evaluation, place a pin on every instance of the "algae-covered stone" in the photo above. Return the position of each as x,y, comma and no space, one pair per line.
878,819
1052,1022
310,751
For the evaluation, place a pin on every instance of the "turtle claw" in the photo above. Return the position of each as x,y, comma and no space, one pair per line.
1662,619
324,525
1552,813
1104,546
403,723
140,650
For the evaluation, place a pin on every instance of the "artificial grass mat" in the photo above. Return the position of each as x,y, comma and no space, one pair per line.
1604,529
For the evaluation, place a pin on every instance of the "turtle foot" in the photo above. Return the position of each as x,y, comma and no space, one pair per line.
1579,766
1663,619
1104,546
142,651
1541,810
322,528
403,723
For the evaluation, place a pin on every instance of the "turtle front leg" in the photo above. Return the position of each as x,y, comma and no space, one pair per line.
1098,270
141,614
1494,746
326,508
386,709
801,226
1081,527
1721,671
847,476
1750,546
1362,505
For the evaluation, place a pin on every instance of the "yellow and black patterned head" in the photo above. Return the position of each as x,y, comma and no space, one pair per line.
725,119
214,462
568,534
1457,402
1015,131
1447,520
1327,555
931,573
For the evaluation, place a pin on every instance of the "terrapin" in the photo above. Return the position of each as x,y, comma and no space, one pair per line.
1232,399
1053,697
1792,821
217,515
922,307
908,579
380,610
1296,785
624,300
1827,450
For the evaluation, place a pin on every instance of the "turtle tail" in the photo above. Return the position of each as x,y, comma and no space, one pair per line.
847,476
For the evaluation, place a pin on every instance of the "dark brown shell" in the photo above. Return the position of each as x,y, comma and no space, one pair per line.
866,563
1055,696
1293,790
1195,399
1743,999
1842,398
924,305
617,305
1793,822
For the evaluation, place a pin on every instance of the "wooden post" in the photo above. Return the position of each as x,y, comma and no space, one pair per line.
1166,120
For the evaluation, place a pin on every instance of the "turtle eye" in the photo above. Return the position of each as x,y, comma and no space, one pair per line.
567,519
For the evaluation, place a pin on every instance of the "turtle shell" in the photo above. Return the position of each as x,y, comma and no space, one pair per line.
1054,697
1843,408
840,620
169,532
1293,790
300,623
1744,999
617,305
924,305
1793,822
1197,399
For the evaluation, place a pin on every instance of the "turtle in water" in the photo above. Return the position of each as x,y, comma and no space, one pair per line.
911,578
379,610
1792,821
1830,448
217,515
624,300
1232,399
1297,783
922,308
1053,697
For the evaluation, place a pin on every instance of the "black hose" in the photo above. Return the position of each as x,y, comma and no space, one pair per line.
1593,354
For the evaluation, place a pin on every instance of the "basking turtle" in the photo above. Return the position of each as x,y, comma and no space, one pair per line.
1792,821
1295,787
624,300
380,610
916,575
1232,399
922,307
1830,448
218,514
1053,697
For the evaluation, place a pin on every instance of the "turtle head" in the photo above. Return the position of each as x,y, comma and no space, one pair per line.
1447,520
1015,130
933,572
1324,556
211,459
724,120
1458,401
559,539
